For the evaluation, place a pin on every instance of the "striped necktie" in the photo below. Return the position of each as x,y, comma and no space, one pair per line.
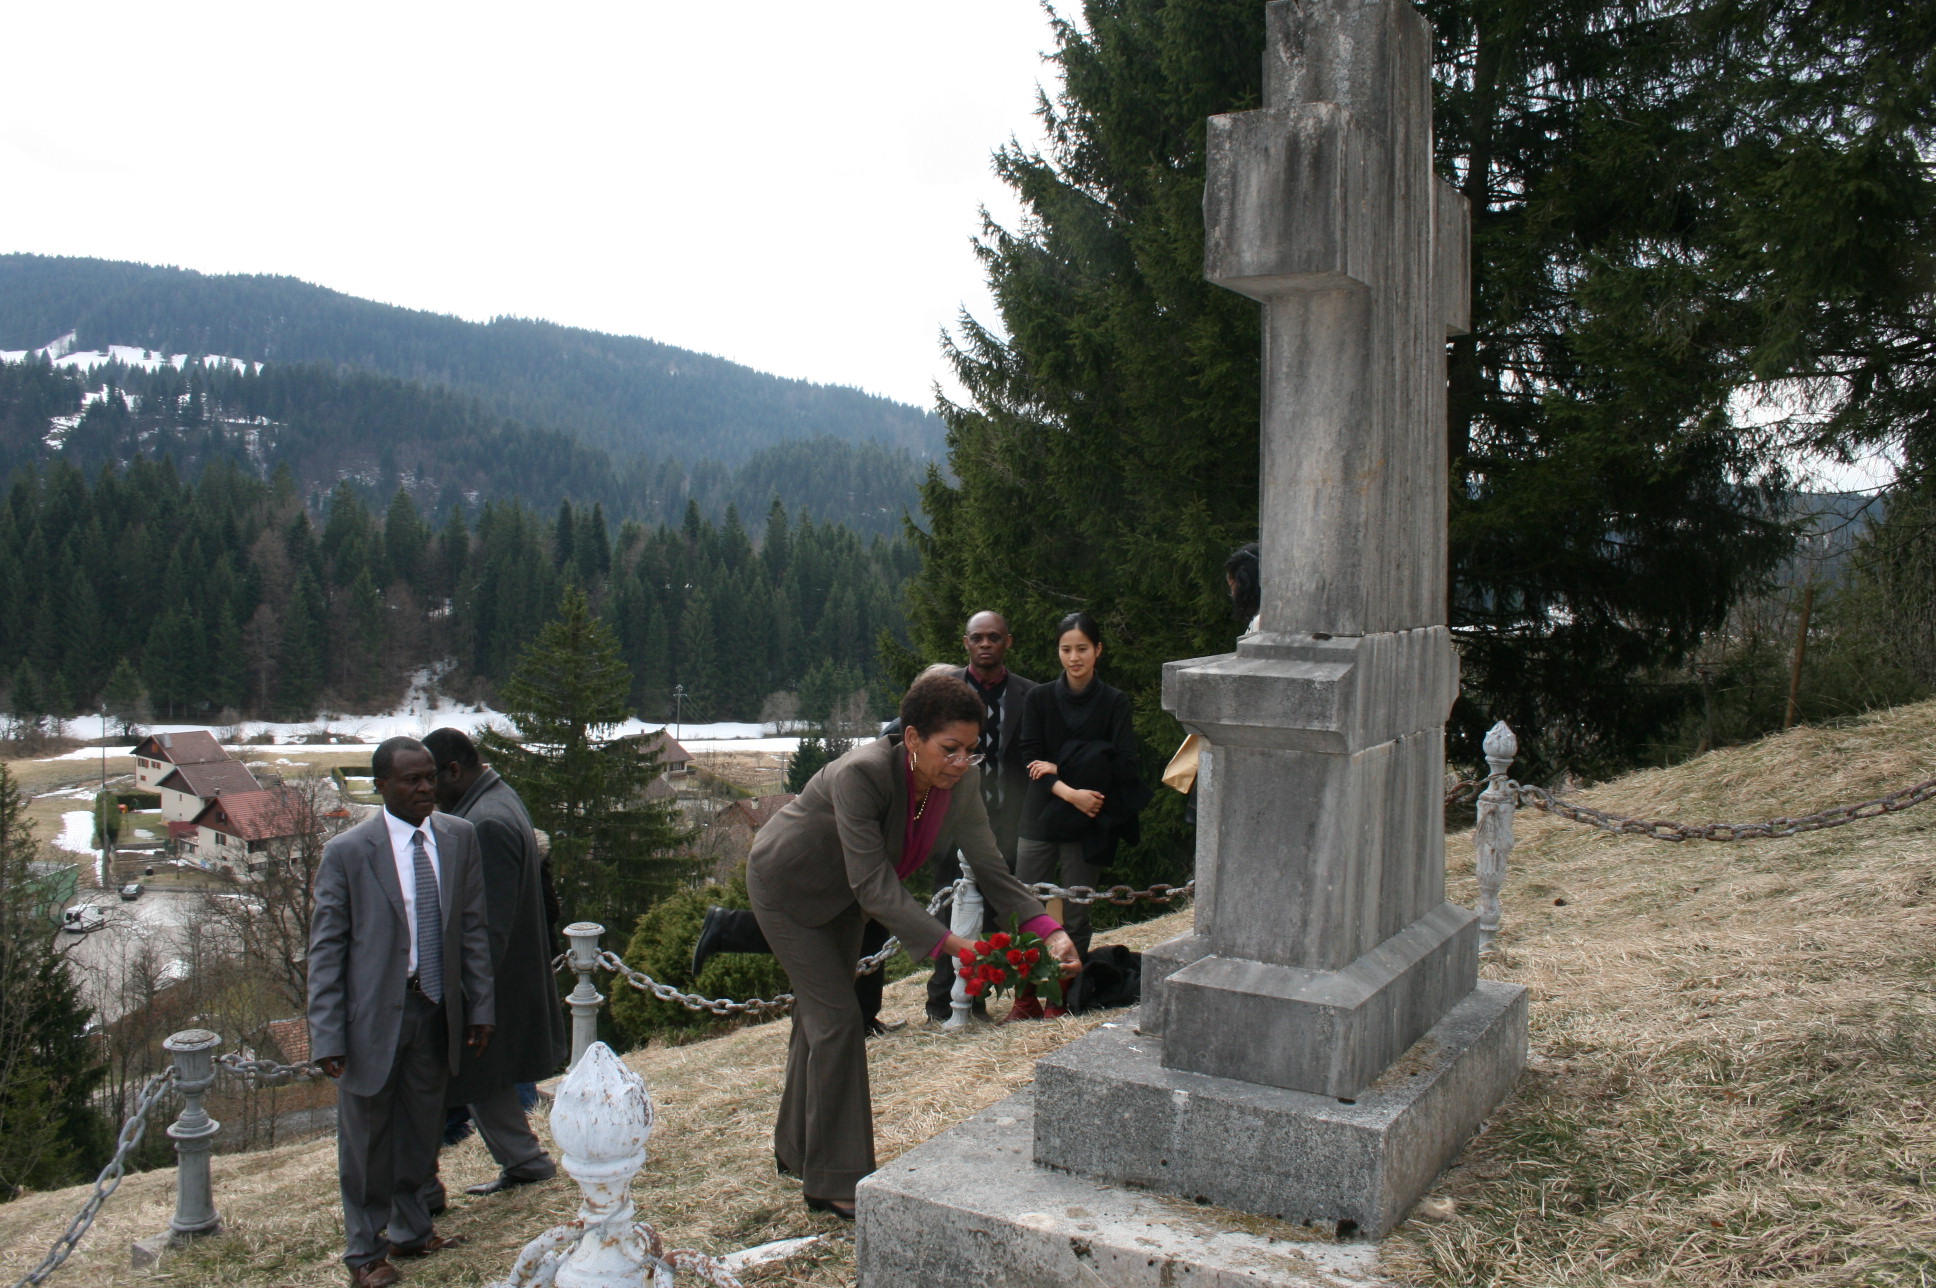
430,923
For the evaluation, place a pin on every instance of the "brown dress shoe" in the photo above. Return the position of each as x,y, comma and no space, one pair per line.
374,1274
435,1243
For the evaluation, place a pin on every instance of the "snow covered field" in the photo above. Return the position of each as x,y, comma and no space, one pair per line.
417,720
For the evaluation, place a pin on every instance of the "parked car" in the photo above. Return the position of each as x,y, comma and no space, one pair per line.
83,917
132,891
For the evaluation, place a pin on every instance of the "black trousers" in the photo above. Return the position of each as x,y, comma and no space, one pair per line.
740,933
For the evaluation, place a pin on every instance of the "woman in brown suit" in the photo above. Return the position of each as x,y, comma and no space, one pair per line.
832,858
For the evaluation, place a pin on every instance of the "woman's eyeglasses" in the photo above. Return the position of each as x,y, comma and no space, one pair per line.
963,757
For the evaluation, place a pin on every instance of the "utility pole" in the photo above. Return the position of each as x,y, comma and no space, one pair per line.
101,807
1795,667
678,712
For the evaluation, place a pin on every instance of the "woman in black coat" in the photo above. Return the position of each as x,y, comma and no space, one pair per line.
1084,788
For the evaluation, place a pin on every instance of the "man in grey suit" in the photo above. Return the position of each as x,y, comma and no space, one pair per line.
529,1043
399,984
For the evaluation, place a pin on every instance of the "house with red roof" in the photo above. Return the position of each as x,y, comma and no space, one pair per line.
238,831
159,754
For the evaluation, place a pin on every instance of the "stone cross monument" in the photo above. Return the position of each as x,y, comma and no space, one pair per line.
1321,1046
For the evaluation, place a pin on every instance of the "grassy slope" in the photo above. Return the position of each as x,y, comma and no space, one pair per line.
1731,1078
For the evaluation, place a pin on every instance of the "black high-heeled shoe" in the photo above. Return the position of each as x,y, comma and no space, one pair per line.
845,1211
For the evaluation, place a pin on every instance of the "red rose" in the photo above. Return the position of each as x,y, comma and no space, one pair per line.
997,976
975,988
982,947
1015,957
1032,956
965,973
1000,939
967,957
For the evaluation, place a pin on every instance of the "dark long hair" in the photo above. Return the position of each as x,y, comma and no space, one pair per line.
1248,595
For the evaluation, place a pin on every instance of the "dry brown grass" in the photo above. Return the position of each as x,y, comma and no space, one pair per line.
1732,1078
1734,1045
709,1184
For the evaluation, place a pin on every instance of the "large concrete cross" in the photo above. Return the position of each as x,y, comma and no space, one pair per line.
1324,946
1320,1046
1321,866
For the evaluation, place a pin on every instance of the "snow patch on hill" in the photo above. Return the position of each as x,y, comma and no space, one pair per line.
62,353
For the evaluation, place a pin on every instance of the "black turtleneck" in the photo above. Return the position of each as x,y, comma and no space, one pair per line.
1054,715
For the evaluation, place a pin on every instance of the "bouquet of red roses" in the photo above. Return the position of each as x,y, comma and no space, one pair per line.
1008,960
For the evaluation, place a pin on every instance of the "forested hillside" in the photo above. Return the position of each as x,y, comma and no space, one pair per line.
622,393
222,596
381,433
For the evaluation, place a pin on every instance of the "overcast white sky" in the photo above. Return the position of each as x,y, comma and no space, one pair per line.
790,186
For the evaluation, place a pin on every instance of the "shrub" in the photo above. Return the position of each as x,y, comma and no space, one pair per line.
662,946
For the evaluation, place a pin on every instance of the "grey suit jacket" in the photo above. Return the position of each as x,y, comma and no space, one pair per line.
359,949
837,843
530,1041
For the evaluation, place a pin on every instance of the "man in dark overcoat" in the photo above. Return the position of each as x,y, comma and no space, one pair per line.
530,1041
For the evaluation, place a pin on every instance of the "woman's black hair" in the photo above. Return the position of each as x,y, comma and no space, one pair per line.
938,698
1247,597
1079,622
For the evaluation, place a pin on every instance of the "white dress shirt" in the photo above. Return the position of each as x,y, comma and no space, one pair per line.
404,853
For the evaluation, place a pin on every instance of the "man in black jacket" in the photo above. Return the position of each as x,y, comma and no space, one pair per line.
1004,774
530,1042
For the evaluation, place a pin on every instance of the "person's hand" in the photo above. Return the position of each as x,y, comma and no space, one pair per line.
1037,768
331,1065
477,1037
1063,949
954,945
1088,802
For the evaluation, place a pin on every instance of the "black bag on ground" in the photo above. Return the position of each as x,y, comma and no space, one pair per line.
1111,977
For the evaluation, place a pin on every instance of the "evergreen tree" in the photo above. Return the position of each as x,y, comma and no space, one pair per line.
48,1074
406,541
126,700
299,665
1605,511
612,849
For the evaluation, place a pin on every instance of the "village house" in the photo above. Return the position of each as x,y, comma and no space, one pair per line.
729,838
674,760
187,770
237,831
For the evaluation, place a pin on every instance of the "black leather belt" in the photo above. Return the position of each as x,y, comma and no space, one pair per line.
415,985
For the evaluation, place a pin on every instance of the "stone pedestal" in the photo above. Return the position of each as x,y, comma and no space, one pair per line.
968,1210
1109,1106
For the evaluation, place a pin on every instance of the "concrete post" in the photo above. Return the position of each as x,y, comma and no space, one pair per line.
601,1121
1492,835
194,1135
585,999
964,920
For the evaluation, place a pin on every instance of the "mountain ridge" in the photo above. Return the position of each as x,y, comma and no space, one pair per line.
626,394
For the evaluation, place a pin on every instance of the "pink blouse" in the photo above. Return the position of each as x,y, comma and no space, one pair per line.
919,839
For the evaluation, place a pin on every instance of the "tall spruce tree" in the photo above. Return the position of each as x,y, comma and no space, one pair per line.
613,850
48,1075
1630,285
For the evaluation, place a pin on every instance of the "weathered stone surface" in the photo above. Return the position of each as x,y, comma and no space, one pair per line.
1326,1032
967,1210
1108,1107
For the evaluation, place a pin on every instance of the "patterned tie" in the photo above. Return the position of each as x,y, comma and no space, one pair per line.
430,924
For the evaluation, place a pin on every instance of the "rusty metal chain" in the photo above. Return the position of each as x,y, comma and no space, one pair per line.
259,1073
1120,895
638,979
1464,791
107,1182
1663,830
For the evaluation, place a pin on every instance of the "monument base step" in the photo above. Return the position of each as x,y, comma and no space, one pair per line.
1110,1109
968,1209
